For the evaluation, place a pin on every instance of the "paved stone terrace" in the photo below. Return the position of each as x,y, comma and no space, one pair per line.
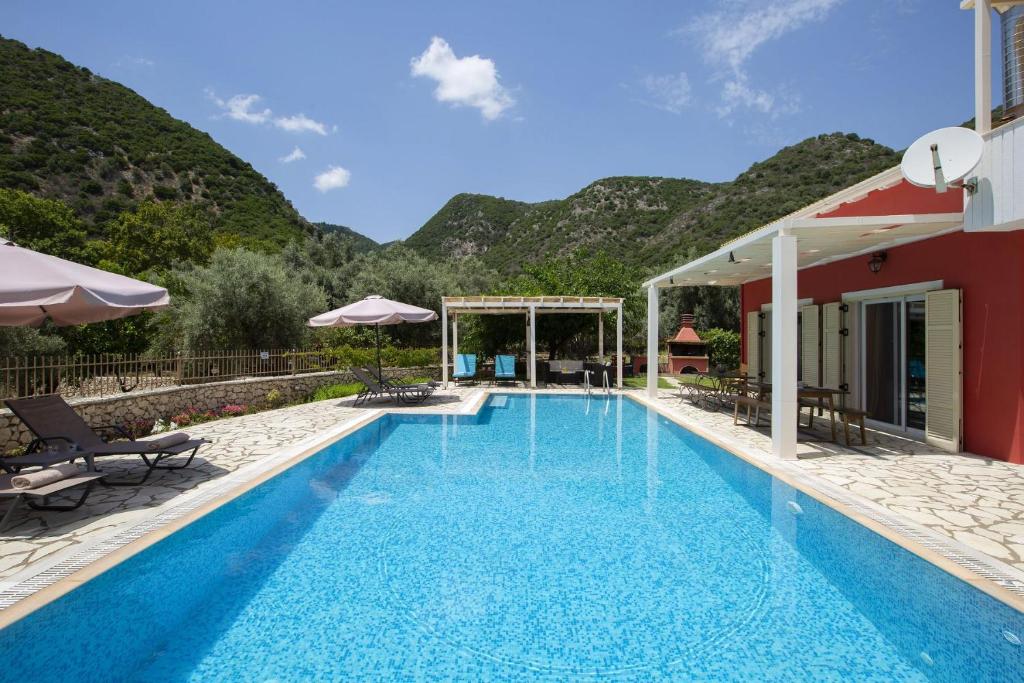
977,501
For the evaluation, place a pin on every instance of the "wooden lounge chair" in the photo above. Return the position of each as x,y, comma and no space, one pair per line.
42,493
400,393
465,367
51,419
504,369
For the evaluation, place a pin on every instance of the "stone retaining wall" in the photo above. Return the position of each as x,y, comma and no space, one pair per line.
164,402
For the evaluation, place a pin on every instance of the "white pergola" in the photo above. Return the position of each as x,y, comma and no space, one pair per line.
530,307
779,250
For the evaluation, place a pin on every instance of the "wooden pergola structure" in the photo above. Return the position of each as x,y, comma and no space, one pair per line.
530,307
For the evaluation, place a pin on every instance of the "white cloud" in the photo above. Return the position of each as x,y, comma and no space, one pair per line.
333,178
463,81
241,108
295,155
670,92
730,36
134,61
300,123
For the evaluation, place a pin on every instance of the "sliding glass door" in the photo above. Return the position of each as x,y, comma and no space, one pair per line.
892,361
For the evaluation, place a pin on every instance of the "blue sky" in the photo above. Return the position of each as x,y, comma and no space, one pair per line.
397,106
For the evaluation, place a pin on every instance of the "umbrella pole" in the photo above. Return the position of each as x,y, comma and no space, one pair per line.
379,372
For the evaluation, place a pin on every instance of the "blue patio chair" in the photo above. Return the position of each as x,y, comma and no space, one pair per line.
465,367
504,368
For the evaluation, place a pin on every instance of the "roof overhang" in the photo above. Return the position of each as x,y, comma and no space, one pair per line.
997,5
507,305
820,241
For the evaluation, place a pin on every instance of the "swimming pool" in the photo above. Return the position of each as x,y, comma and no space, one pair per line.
551,537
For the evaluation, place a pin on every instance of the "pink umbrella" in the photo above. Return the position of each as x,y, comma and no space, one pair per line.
373,310
35,286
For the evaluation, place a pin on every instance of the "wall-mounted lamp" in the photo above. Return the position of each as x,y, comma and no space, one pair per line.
876,261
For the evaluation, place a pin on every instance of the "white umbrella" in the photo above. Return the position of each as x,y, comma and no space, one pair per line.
36,286
373,310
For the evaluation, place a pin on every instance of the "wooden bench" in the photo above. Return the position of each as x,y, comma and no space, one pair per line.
751,404
856,416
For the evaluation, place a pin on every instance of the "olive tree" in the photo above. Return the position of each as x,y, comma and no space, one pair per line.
241,299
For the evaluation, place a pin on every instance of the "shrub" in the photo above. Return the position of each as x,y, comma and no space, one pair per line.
330,391
139,428
723,347
274,398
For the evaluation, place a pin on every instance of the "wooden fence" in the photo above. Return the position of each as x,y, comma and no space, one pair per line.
111,374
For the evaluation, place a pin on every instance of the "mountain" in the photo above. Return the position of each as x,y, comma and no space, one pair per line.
69,134
649,221
361,244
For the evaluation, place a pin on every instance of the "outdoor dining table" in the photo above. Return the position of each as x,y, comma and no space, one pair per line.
823,395
717,388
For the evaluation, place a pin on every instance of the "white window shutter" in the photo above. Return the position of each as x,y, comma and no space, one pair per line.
810,353
831,346
766,345
943,373
753,344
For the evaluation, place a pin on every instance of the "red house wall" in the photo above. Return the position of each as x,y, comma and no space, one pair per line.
987,267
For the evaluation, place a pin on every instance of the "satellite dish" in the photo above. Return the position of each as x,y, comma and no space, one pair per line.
942,157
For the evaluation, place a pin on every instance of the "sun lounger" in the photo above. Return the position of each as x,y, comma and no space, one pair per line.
465,367
41,493
52,420
400,393
386,381
504,368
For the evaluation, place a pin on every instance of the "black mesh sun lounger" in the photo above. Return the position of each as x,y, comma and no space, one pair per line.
42,493
400,393
51,419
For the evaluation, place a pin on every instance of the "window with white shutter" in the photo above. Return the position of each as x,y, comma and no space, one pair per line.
944,369
810,338
753,343
831,346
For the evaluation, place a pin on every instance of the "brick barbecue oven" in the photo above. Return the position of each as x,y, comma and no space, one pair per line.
686,351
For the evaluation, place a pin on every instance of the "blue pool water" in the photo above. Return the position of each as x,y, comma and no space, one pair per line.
548,537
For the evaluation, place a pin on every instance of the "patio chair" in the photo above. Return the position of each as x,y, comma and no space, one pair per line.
400,393
504,369
43,490
465,367
50,419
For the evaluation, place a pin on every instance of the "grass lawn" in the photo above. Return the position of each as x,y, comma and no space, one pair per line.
640,382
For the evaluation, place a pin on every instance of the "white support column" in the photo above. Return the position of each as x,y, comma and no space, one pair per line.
618,347
533,347
529,370
784,345
652,341
982,66
455,339
444,345
600,336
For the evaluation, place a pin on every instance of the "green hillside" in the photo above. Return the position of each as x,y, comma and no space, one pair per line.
361,244
69,134
649,221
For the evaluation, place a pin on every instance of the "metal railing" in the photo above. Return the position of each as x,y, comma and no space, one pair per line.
111,374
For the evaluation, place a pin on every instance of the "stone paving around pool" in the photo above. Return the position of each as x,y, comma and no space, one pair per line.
975,501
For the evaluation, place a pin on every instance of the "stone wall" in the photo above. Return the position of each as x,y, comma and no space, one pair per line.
164,402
